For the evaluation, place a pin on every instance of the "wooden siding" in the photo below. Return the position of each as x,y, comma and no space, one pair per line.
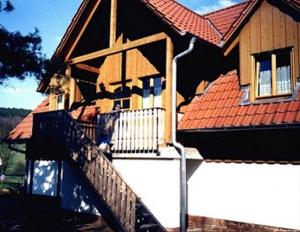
136,66
267,30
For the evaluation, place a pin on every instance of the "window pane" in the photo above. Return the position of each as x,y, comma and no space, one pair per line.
126,104
146,93
60,102
157,92
264,77
118,93
283,73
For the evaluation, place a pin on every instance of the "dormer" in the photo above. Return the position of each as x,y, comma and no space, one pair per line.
266,34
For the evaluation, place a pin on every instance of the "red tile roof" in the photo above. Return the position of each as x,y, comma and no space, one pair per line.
224,19
219,107
24,129
89,113
184,20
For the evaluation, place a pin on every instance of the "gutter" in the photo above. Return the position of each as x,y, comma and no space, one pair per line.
243,128
177,145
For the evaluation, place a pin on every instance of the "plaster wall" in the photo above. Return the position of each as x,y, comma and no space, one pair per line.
252,193
76,194
45,178
157,183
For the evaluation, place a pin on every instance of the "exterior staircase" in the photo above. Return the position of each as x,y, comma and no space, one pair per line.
57,131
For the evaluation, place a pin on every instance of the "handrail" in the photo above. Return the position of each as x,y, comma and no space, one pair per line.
130,131
59,125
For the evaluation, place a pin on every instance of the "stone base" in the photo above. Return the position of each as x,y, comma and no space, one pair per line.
204,224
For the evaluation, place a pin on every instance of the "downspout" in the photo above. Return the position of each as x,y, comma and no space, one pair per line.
180,147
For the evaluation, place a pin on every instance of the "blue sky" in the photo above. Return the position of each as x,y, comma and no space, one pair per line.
52,17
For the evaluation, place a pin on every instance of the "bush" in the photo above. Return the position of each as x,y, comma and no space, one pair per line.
18,168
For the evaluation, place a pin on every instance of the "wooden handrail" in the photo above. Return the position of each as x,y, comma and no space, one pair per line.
106,180
131,131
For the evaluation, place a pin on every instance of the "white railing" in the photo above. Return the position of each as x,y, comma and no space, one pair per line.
136,131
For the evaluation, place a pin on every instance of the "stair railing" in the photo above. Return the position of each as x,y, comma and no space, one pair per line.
115,192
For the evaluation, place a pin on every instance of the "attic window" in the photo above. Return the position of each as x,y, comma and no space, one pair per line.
273,73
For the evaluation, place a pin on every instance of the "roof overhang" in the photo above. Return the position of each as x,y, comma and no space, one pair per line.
232,35
244,128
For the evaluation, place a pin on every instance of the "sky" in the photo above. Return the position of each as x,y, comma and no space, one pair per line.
52,18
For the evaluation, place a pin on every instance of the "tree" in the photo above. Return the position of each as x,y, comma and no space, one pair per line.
20,55
6,157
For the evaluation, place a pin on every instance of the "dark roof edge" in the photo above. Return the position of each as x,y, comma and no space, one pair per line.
239,161
242,128
225,8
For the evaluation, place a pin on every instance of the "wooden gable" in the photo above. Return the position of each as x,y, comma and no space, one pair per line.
269,28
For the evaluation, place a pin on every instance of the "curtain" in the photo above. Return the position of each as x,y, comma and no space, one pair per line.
283,75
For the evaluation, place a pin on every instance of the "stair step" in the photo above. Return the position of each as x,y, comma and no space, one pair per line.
146,227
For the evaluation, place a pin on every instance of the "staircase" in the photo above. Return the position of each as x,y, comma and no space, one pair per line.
122,210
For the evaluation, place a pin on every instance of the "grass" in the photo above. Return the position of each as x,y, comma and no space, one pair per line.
14,175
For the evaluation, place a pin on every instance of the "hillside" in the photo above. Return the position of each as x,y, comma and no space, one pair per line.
9,118
12,163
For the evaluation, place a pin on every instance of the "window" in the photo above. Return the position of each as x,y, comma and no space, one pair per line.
273,73
152,90
121,96
60,102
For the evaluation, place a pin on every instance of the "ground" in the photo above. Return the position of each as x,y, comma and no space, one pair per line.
19,213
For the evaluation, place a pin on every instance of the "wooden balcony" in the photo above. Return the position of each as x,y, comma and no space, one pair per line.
138,131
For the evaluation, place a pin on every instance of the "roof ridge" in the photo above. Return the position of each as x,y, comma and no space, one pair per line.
188,9
226,8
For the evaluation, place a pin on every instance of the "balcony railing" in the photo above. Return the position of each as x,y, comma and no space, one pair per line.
130,131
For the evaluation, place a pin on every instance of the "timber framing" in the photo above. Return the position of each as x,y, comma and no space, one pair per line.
86,23
117,49
113,23
88,68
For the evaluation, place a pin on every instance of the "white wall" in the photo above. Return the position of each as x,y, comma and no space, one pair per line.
253,193
157,183
45,178
76,195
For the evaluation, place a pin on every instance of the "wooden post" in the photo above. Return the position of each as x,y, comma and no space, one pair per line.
167,103
113,23
72,86
274,78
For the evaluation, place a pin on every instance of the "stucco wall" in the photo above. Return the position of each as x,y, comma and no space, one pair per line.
45,178
157,183
252,193
76,195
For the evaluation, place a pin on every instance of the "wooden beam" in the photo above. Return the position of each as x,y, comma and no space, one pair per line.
116,49
72,86
88,68
231,46
113,23
274,78
167,103
82,30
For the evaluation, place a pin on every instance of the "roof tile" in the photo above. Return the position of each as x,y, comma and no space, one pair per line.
225,109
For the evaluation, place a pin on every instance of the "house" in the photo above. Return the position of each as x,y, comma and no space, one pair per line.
237,103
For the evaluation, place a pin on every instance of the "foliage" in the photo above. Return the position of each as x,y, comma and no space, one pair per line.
6,157
10,112
12,162
6,6
18,168
20,55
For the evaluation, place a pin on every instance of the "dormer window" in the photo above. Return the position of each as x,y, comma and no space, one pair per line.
273,73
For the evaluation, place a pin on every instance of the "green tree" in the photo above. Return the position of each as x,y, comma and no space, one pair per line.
6,157
20,55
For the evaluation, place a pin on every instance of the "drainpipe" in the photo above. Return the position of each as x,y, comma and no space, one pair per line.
180,147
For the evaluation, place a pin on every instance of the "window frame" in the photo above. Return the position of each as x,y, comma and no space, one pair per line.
152,100
273,57
114,87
